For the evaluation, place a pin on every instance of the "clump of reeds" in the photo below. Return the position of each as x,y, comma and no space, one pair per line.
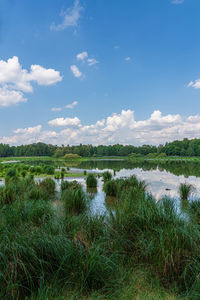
48,186
110,188
107,176
91,181
185,190
75,201
70,185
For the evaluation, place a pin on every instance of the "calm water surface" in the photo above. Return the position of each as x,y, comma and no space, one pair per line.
161,179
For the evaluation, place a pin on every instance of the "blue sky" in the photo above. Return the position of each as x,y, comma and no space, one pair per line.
99,71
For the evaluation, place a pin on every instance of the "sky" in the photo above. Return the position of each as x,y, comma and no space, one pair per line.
99,71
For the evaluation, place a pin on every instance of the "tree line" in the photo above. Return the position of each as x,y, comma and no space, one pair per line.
177,148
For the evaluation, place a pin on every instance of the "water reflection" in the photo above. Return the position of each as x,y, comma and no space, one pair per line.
163,179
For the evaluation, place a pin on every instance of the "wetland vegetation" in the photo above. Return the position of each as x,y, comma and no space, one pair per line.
53,246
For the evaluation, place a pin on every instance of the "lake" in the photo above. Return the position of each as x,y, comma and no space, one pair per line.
161,178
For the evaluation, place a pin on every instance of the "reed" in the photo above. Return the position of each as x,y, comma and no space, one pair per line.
91,181
185,190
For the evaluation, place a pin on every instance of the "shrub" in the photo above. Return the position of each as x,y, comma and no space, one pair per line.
71,156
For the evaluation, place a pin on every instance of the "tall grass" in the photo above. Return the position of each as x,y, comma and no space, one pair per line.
107,176
91,181
45,254
75,201
185,190
48,186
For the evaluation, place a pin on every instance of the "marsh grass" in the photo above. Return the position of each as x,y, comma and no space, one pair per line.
75,201
185,191
141,249
48,186
107,176
91,181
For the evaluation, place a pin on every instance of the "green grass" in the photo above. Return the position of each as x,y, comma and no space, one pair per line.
141,249
91,181
185,191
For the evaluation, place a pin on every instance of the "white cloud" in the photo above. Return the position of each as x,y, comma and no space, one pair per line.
127,58
29,130
92,61
195,84
67,122
14,80
56,108
10,97
177,1
70,17
82,56
68,106
13,75
30,135
120,128
76,72
72,105
44,76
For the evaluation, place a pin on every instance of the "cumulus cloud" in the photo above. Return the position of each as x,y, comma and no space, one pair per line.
29,130
10,97
82,56
30,135
70,17
127,58
76,72
120,128
13,75
44,76
65,122
195,84
14,80
177,1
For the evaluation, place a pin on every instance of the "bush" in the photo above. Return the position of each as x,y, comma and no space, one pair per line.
91,181
71,156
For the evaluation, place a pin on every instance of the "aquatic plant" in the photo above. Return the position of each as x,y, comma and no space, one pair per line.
75,201
110,188
48,186
91,181
185,190
70,185
107,176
